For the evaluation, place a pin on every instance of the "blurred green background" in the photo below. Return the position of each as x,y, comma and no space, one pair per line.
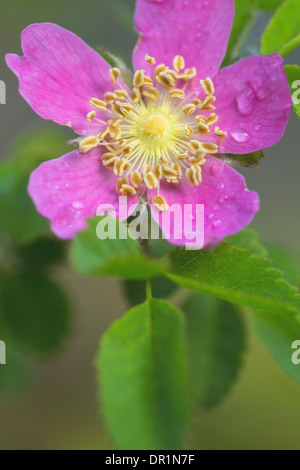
58,409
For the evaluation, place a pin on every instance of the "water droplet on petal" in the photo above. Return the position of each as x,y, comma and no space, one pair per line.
257,127
221,186
240,135
245,101
211,216
77,205
221,200
217,223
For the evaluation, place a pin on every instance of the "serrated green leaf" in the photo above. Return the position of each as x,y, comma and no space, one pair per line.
34,313
142,374
249,239
278,335
243,20
217,341
249,160
122,258
135,291
269,5
293,75
287,261
282,33
236,275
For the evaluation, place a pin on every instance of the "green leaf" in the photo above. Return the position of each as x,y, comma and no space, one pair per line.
17,212
287,261
142,374
217,340
236,275
249,160
15,374
282,33
42,254
135,291
245,12
18,216
27,153
293,75
112,257
278,335
269,5
249,239
34,313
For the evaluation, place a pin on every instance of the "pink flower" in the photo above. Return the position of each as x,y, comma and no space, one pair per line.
162,135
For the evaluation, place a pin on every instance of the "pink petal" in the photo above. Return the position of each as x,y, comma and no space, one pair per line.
253,103
59,74
68,190
228,205
197,30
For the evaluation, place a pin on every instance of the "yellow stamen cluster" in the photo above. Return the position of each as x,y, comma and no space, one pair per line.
157,132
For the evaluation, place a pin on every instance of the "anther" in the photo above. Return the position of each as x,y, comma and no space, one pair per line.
209,147
109,159
150,59
110,97
213,118
136,95
121,165
150,180
121,94
91,115
136,179
115,132
177,93
182,155
194,175
166,80
169,173
188,131
88,143
114,74
203,128
220,133
98,104
208,86
160,203
120,182
157,171
159,69
176,167
198,158
195,145
103,134
152,93
127,190
138,79
188,109
178,63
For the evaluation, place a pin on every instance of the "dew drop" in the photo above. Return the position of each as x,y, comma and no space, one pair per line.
240,135
257,127
217,223
245,101
221,186
77,205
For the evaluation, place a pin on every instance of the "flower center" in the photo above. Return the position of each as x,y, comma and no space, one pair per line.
162,131
155,126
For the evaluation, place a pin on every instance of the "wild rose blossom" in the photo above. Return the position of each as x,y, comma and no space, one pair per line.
158,137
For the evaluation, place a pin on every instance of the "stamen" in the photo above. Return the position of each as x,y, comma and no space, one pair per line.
152,93
188,109
110,97
194,175
150,180
220,133
177,93
138,79
103,134
91,115
195,145
121,165
114,74
136,95
166,80
203,128
121,94
120,183
188,131
209,147
169,173
182,155
127,190
136,178
157,171
88,143
178,63
98,104
208,86
213,118
159,69
198,158
160,203
109,159
121,109
115,132
150,59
